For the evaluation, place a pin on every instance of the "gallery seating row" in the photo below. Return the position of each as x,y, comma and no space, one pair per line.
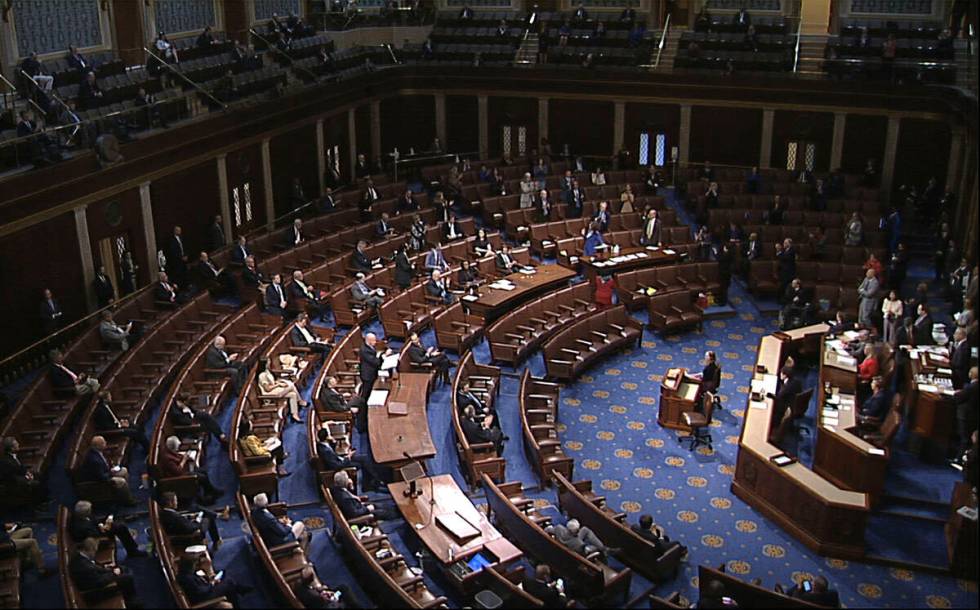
635,287
140,375
409,312
382,570
769,235
38,419
579,501
771,181
586,578
476,458
591,338
522,330
764,275
752,207
775,61
674,310
539,417
101,599
734,41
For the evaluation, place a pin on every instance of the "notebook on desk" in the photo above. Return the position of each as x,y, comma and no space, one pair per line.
398,408
456,525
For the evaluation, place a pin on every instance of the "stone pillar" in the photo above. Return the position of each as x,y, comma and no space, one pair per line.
542,122
223,200
85,253
440,99
891,151
482,113
270,205
684,137
321,158
837,144
765,150
376,129
619,126
149,234
351,142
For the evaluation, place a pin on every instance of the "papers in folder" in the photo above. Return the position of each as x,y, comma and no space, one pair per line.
669,251
470,298
389,362
503,285
272,443
377,398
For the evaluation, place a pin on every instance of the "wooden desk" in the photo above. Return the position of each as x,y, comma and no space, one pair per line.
392,435
676,399
628,259
492,302
826,518
933,414
961,535
451,501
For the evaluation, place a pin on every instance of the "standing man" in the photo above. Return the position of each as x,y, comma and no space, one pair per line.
371,359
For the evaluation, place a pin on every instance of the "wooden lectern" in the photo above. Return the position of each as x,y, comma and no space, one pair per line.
679,394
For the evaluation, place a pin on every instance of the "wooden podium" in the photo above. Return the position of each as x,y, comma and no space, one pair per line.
679,394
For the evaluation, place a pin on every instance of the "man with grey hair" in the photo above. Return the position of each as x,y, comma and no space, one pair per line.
352,506
83,525
220,360
96,468
276,531
175,463
365,295
580,539
371,358
90,575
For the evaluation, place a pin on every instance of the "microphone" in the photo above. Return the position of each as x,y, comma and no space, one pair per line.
407,456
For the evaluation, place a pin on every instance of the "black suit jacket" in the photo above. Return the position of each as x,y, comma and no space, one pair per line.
174,251
922,330
784,397
541,590
272,296
215,359
370,363
252,278
177,524
474,431
94,467
103,289
403,269
297,337
216,236
273,531
361,261
83,527
959,362
331,460
88,574
332,400
11,469
463,399
162,294
349,504
238,254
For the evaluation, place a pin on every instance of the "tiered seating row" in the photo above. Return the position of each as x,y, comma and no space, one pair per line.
577,346
480,458
539,416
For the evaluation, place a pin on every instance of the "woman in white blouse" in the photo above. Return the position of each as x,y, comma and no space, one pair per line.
598,177
891,310
269,386
528,188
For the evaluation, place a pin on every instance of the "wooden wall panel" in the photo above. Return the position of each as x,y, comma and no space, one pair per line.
864,138
725,136
514,111
653,118
236,18
45,255
190,199
408,121
462,124
119,215
815,127
293,155
127,26
585,126
362,127
923,153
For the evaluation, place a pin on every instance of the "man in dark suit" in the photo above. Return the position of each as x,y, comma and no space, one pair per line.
504,262
545,588
165,292
95,468
302,293
452,229
182,414
655,535
922,327
217,358
251,276
876,406
404,268
368,198
314,594
407,203
105,293
360,259
335,459
208,277
383,228
107,423
420,355
574,197
77,61
82,525
326,204
176,252
303,336
439,288
90,94
276,531
90,575
959,358
652,230
479,429
465,397
216,234
176,463
351,506
51,315
240,251
332,399
199,523
370,364
201,583
786,264
14,474
789,387
820,593
362,168
293,236
966,411
275,297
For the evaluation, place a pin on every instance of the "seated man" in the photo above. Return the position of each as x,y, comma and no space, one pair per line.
314,594
218,359
15,476
196,576
421,355
466,397
208,277
107,423
352,507
439,288
95,468
505,262
276,531
113,333
337,454
407,203
302,292
797,306
275,297
90,575
580,539
183,414
877,404
362,294
361,261
479,429
544,587
452,229
24,543
646,530
303,336
816,591
64,378
176,463
164,292
384,228
82,525
199,523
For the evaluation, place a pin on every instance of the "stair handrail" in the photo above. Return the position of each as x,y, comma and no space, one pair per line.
663,40
196,86
796,56
271,47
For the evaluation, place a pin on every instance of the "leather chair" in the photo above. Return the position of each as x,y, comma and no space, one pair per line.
699,423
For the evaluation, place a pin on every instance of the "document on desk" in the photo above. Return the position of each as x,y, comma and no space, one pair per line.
377,398
875,451
470,298
390,362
